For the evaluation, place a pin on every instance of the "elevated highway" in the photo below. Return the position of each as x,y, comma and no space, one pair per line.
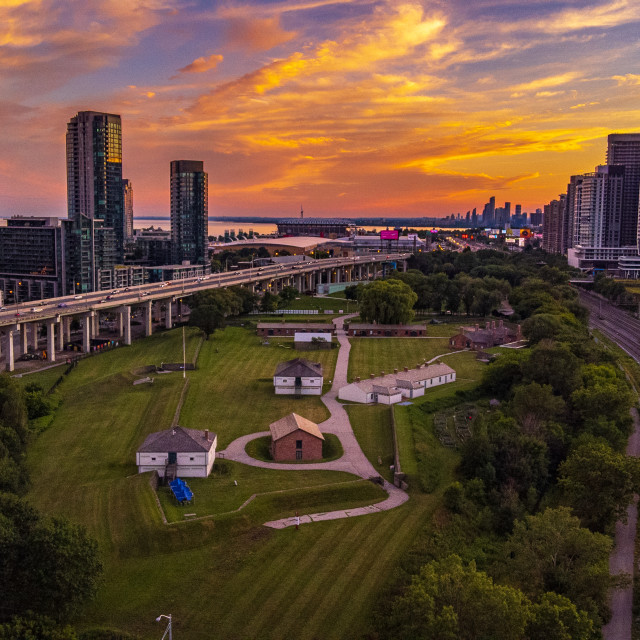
17,321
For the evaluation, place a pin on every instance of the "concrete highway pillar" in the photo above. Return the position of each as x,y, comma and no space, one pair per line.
24,338
95,324
168,320
126,313
404,265
339,275
120,325
148,320
86,332
51,340
10,361
60,335
67,328
34,335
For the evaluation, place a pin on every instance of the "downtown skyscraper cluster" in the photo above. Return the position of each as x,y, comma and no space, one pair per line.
45,257
596,221
100,203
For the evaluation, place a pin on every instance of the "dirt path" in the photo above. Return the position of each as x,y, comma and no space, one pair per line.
352,461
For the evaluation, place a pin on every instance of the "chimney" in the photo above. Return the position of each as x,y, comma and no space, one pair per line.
206,435
357,378
395,371
372,375
406,368
487,326
382,373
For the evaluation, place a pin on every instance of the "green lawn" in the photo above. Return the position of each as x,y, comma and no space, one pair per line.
372,426
374,355
219,496
231,392
226,576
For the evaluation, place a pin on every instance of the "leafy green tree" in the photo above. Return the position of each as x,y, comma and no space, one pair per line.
555,617
269,301
207,318
35,628
287,295
550,551
248,299
387,302
605,394
450,601
552,363
534,406
599,484
48,566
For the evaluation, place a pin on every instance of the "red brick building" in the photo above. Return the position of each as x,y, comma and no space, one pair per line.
387,330
295,438
491,336
266,329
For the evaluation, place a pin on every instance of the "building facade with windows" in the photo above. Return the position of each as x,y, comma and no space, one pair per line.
95,198
189,211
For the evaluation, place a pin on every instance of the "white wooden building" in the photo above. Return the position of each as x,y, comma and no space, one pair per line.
393,387
192,451
298,377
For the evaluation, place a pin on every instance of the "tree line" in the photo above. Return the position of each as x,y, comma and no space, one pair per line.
520,547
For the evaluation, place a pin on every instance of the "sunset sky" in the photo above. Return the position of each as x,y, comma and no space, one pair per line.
353,108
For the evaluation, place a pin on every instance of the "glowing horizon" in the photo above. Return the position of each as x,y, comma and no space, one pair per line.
356,108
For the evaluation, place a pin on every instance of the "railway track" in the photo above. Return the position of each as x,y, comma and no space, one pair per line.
614,323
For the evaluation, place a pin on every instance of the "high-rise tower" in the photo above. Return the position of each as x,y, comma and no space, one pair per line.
189,211
94,195
127,194
624,149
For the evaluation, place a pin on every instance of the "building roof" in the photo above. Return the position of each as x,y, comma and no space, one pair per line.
384,327
412,376
322,326
299,367
291,423
178,440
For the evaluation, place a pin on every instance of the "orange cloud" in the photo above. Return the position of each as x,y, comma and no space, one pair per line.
199,65
256,34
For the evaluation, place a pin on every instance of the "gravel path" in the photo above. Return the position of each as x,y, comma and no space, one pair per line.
352,461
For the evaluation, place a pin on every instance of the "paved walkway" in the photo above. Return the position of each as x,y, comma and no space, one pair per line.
353,460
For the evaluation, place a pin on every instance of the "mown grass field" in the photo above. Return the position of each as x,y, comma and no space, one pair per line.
374,355
231,392
225,576
372,426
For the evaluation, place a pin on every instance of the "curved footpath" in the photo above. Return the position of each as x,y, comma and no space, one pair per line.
352,461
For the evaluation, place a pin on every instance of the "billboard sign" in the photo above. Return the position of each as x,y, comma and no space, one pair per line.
389,234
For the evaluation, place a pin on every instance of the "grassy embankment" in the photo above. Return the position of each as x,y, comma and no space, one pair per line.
226,576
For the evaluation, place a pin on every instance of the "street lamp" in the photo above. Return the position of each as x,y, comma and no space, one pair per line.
168,629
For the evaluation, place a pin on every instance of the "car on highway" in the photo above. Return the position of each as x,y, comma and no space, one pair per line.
78,297
37,309
62,304
107,298
144,293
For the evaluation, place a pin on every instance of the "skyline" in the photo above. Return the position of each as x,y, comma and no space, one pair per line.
359,108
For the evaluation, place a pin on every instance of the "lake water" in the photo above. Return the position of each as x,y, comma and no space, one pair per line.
217,228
